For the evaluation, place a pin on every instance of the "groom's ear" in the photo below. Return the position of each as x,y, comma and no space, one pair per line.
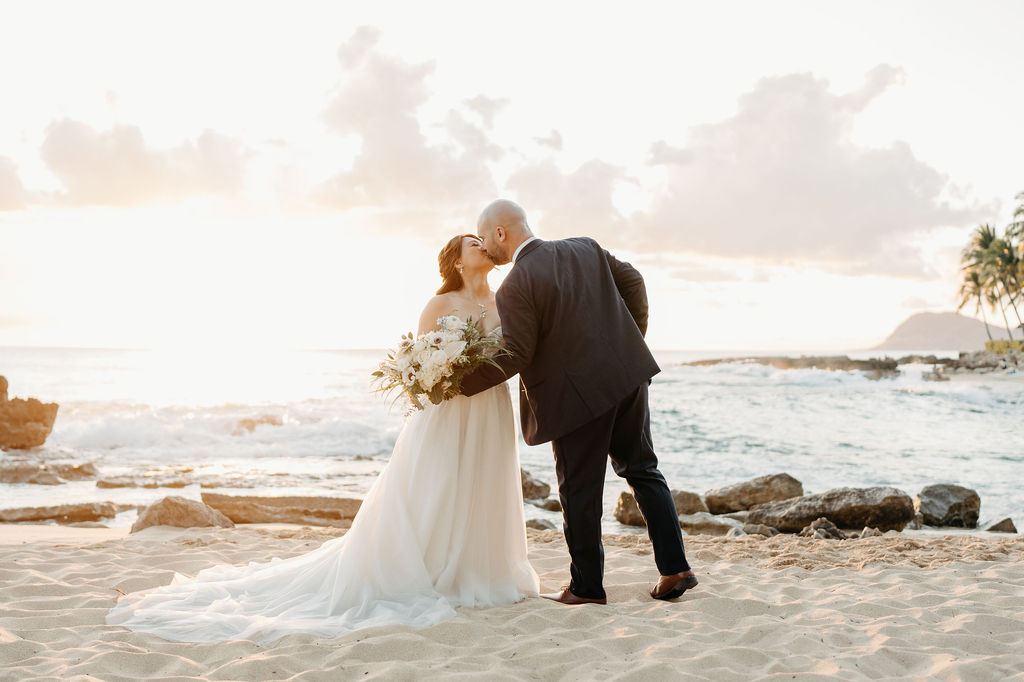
499,233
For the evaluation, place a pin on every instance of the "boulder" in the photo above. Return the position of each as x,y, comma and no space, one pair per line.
43,473
883,507
735,533
540,524
627,512
705,523
551,504
180,512
1004,526
759,490
24,424
62,513
946,504
532,488
688,503
870,533
760,529
313,511
822,529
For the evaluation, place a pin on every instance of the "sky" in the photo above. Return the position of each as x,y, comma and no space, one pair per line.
786,175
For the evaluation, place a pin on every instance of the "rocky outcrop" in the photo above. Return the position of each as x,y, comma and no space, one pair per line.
533,489
1004,526
741,496
44,473
946,504
688,503
983,361
627,512
180,512
705,523
882,507
312,511
24,424
62,513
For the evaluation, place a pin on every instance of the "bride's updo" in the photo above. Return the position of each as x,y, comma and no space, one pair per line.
446,260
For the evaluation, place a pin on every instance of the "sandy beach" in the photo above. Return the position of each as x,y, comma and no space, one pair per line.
901,606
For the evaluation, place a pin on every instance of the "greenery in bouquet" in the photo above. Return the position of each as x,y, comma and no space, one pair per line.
433,365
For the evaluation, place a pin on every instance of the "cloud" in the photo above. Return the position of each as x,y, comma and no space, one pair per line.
782,181
115,167
12,193
571,204
398,170
553,141
486,108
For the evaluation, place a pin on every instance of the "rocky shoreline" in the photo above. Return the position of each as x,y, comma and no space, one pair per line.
766,506
973,362
769,505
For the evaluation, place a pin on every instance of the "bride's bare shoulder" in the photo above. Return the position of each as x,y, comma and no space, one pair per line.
436,307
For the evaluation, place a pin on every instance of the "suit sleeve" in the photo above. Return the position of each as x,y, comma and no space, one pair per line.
630,284
519,328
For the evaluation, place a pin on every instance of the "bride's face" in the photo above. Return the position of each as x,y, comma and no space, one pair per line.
474,257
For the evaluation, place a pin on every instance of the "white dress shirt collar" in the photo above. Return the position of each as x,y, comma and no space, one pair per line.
515,256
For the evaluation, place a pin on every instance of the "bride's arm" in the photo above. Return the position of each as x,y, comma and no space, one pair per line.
435,308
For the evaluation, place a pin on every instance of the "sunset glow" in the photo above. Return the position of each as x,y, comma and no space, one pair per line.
786,175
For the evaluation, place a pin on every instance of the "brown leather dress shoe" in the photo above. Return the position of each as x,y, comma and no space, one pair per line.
568,598
673,586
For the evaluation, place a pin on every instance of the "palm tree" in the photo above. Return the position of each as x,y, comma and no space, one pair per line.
979,258
973,289
1002,257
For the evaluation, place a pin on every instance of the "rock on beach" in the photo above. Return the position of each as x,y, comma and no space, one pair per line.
61,513
947,504
881,507
180,512
24,424
312,511
741,496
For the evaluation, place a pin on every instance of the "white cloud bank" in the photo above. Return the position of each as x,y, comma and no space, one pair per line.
398,171
116,168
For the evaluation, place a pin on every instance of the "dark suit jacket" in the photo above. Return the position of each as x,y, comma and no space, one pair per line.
574,319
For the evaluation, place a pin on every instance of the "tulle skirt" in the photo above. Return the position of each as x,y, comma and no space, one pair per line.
442,527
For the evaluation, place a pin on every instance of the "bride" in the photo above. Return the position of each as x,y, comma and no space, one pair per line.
441,527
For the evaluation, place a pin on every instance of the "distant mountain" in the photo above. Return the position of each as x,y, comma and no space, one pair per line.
940,331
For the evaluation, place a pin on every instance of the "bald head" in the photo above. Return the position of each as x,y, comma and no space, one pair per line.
502,226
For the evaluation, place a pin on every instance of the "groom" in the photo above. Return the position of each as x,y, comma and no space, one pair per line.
574,318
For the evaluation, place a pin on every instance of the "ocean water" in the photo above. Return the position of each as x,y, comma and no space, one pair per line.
307,423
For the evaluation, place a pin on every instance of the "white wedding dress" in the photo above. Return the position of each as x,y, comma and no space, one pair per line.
441,527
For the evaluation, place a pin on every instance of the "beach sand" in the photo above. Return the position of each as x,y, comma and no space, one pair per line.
948,607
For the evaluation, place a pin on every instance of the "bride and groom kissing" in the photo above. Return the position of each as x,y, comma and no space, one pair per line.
442,526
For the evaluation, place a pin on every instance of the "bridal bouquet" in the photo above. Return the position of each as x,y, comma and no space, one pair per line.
434,364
